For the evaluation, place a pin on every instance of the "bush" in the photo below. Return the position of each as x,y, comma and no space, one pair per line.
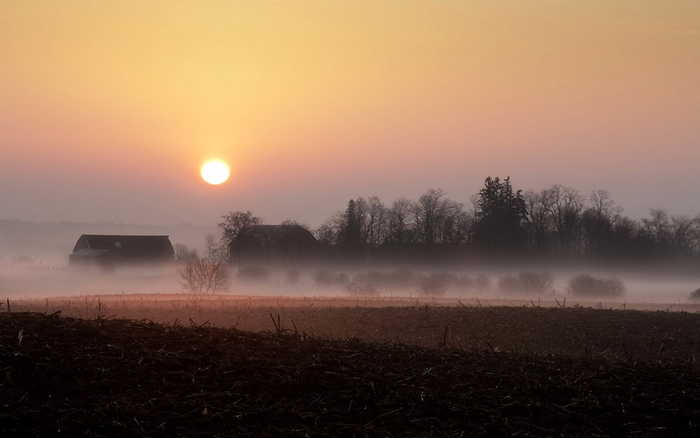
695,295
328,278
586,285
202,275
253,273
436,283
527,283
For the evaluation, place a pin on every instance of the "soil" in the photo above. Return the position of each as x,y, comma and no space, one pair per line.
111,377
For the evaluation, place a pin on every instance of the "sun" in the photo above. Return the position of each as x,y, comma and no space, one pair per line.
215,172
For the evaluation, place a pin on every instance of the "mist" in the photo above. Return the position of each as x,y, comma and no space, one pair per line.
32,277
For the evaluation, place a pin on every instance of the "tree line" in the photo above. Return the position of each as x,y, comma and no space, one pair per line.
558,222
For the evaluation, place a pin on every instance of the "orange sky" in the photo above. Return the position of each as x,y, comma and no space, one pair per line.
108,108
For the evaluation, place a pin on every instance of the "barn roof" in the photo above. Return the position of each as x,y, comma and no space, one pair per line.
123,245
277,232
273,242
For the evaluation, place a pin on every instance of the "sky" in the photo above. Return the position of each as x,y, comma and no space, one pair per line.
107,109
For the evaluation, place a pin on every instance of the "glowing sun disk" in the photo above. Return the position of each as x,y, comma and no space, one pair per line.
215,172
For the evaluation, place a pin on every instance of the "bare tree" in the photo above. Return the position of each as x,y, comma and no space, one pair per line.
234,222
203,275
183,253
539,216
685,234
377,217
330,231
294,222
658,227
399,228
216,250
427,215
567,205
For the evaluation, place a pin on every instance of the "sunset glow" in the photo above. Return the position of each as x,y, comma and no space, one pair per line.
324,97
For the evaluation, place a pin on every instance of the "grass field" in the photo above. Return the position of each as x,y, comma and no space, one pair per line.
333,367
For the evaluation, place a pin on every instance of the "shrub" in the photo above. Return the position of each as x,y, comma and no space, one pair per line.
695,295
436,283
586,285
202,275
253,273
527,283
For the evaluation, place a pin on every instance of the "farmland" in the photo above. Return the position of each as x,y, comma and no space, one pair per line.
243,366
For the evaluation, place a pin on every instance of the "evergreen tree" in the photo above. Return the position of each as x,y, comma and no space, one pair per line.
351,232
500,217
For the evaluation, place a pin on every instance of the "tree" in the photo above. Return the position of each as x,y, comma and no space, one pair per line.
234,222
203,275
598,224
329,232
501,214
351,229
183,253
215,250
400,230
376,223
567,205
427,215
206,274
657,229
539,217
294,222
439,219
685,234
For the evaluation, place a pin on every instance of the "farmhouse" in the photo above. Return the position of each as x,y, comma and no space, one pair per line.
286,243
111,249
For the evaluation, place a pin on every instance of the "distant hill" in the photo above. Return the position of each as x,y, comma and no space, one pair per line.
53,241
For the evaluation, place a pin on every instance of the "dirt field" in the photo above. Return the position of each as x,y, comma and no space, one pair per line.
604,330
62,376
345,367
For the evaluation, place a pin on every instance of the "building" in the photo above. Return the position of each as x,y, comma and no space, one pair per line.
274,243
111,249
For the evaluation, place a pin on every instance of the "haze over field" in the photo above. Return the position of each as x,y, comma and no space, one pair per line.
107,109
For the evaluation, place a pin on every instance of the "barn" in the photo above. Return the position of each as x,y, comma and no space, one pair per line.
114,249
273,243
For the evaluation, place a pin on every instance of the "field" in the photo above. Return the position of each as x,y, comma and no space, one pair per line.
608,330
345,367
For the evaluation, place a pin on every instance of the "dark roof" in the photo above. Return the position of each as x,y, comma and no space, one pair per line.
92,245
277,234
273,241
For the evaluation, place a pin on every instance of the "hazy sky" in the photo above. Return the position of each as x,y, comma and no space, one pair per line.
107,108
